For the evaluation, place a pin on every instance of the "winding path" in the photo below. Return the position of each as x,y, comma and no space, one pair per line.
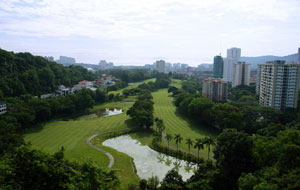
111,158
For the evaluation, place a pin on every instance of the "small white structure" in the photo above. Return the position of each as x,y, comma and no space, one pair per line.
62,90
3,108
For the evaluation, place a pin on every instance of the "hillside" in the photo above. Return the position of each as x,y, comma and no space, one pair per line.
23,73
263,59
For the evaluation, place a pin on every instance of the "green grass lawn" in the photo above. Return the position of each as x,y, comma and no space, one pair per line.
73,134
166,110
175,123
133,85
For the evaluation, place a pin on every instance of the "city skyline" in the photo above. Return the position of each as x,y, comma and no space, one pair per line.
135,32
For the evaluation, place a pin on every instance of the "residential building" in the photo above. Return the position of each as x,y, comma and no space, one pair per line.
176,66
83,84
160,66
184,67
214,89
62,90
49,58
104,65
3,108
299,56
241,74
218,66
233,57
277,84
66,60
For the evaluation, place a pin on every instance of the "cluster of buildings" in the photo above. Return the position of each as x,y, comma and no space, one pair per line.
277,82
106,80
164,67
105,65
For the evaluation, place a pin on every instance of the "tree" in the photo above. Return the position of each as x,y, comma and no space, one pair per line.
199,145
200,108
169,137
33,169
152,183
143,184
208,141
178,139
172,181
189,142
233,156
227,116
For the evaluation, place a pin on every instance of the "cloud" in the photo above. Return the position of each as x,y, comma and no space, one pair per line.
164,27
121,19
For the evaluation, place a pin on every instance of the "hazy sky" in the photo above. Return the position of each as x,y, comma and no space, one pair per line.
141,31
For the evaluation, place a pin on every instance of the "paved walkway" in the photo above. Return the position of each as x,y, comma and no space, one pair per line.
111,158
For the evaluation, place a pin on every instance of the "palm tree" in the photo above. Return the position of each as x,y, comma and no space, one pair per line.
169,137
208,141
199,144
189,142
178,139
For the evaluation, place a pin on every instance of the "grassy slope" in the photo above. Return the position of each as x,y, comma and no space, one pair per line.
133,85
72,135
165,109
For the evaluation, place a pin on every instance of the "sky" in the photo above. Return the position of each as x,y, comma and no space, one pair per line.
138,32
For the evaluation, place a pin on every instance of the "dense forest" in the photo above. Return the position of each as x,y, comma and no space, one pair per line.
22,73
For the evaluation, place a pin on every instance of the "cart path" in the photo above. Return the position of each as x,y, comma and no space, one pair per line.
111,158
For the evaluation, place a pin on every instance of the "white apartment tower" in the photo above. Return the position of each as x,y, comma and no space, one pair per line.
214,89
241,74
160,66
299,56
277,84
233,57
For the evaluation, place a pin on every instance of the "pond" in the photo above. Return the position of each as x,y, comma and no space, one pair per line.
149,162
101,113
107,112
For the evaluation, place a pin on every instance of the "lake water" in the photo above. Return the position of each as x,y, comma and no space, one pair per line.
107,112
101,113
149,162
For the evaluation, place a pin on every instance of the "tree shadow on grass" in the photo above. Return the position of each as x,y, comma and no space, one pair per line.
196,127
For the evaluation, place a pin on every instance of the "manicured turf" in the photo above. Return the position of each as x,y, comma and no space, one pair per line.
73,134
166,110
133,85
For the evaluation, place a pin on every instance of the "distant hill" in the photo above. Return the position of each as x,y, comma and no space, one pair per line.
263,59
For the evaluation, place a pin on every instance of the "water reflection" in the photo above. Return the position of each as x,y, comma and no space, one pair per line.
107,112
149,162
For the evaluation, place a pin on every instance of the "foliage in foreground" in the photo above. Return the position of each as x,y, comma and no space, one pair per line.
33,169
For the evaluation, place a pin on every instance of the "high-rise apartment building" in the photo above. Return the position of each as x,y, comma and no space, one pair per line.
241,74
160,66
299,56
277,84
218,66
214,89
233,57
66,60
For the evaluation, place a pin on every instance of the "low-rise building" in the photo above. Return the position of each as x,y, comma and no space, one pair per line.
62,90
3,108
